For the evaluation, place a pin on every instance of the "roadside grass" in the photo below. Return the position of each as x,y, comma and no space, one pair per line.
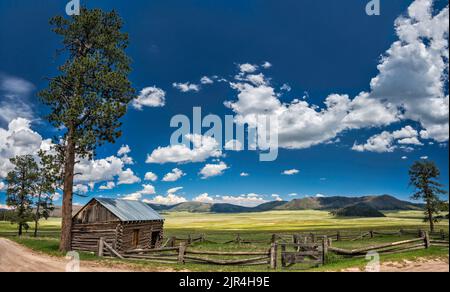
221,228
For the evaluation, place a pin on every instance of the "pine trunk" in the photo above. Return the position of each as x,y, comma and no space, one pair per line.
36,218
69,166
430,218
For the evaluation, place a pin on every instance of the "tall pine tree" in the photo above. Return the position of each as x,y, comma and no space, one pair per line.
90,94
424,176
21,183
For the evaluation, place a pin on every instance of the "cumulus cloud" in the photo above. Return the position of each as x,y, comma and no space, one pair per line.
186,87
174,175
127,177
244,174
80,189
203,148
170,199
108,186
277,198
266,65
291,172
150,176
410,85
206,80
14,93
211,170
2,186
18,139
150,97
123,154
385,142
247,200
148,190
204,198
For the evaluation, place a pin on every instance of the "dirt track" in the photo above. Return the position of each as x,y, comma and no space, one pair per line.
420,265
16,258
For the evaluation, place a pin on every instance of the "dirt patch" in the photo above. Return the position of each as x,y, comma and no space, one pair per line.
17,258
419,265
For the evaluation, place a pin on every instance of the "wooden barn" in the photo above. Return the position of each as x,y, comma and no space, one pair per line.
123,224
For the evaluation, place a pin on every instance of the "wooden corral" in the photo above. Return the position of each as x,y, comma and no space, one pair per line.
124,225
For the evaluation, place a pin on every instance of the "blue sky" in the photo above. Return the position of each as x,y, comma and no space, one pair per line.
317,48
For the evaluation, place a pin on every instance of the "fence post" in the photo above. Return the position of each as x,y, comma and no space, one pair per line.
338,236
283,252
421,233
238,239
330,242
101,246
273,256
442,234
324,250
371,233
274,238
181,253
426,239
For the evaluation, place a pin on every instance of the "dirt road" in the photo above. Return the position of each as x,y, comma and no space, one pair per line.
17,258
419,265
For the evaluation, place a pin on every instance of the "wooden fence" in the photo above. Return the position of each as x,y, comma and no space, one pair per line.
305,250
182,254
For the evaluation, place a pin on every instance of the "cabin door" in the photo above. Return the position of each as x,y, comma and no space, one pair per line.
155,239
135,239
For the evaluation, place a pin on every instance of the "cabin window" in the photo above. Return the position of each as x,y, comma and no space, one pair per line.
135,241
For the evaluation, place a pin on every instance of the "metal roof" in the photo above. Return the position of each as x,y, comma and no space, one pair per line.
128,211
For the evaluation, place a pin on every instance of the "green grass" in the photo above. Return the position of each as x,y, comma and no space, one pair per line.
220,228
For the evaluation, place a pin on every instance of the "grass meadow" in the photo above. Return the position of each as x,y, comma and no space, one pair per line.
220,228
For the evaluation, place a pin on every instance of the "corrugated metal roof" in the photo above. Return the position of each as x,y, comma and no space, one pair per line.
130,210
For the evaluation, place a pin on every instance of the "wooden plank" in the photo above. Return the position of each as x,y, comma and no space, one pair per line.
199,252
226,262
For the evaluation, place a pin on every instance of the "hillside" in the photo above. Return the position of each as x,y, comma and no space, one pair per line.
384,202
359,210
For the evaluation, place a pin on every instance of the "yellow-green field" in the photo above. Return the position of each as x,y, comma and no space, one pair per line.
220,228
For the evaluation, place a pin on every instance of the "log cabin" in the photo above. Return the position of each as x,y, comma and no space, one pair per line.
124,225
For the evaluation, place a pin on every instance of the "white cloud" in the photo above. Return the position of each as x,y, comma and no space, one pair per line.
170,199
277,198
204,198
150,176
108,186
248,68
2,186
150,97
266,65
206,80
404,157
385,142
293,195
186,87
127,177
174,175
133,197
18,139
203,148
248,200
424,157
148,190
211,170
14,93
291,172
174,190
125,149
244,174
80,189
123,154
98,170
320,196
234,145
410,86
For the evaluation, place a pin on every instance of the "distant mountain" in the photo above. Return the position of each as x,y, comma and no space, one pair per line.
379,203
359,210
193,207
384,202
